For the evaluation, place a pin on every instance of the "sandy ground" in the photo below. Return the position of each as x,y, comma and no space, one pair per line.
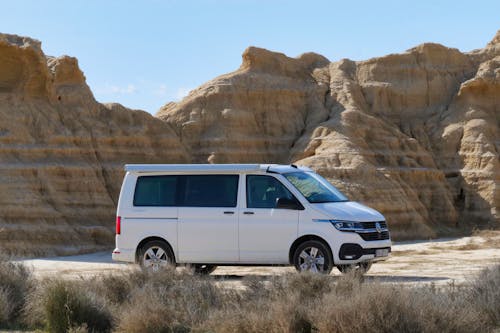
439,261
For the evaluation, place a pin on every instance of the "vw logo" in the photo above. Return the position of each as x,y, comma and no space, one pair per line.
378,227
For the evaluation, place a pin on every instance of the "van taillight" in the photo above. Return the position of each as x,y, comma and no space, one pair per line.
118,225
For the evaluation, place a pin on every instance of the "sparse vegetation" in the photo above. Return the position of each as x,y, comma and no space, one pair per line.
173,301
15,284
485,294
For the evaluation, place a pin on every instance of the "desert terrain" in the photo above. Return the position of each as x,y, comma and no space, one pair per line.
439,262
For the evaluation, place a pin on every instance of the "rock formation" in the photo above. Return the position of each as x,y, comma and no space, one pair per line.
415,135
62,153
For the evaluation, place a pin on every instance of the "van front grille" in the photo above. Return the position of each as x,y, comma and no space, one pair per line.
372,225
374,236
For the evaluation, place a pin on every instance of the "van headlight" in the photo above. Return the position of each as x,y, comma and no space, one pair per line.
347,225
343,225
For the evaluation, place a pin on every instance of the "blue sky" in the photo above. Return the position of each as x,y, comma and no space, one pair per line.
144,54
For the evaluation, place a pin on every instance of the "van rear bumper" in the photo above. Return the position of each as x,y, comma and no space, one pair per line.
126,255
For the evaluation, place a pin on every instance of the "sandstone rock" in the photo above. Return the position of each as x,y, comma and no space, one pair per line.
413,134
253,114
62,153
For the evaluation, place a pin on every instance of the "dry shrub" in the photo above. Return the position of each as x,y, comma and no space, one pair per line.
383,308
79,329
116,288
5,307
170,301
280,304
287,313
315,303
304,284
15,282
61,305
485,294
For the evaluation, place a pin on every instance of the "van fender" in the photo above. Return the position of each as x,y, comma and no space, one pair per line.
322,235
142,238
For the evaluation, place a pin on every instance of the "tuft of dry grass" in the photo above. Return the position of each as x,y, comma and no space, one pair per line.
348,305
62,305
485,294
15,284
170,301
384,308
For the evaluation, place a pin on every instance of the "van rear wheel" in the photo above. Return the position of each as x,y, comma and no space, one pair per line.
313,256
155,255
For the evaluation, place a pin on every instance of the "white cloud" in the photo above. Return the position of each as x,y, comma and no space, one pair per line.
162,90
182,92
110,89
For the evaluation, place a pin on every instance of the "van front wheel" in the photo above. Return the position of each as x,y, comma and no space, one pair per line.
155,255
313,256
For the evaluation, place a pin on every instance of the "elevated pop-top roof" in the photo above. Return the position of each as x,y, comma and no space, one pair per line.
276,168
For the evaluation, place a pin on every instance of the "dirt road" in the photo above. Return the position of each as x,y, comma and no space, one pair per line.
439,261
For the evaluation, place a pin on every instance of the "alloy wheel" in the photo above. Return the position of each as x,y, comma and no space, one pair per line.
155,258
312,259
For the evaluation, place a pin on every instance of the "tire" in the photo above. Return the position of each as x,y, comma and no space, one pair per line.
361,267
202,269
313,256
155,255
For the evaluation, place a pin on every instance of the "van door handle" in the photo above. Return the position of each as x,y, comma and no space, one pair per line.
248,213
229,213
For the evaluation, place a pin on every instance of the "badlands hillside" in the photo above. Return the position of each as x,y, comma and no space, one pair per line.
415,135
62,153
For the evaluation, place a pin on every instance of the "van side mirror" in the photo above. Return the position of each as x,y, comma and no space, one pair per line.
285,203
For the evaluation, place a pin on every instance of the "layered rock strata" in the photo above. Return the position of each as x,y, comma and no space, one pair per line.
415,135
62,153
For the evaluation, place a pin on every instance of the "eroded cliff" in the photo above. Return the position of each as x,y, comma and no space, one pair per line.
415,135
62,153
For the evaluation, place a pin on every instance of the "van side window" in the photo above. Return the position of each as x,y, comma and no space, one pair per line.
155,191
210,191
263,191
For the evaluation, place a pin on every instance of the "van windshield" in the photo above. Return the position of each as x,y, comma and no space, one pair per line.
315,188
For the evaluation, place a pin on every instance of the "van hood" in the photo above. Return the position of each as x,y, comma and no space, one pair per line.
348,211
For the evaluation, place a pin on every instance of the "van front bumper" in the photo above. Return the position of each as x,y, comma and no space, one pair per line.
356,252
352,251
126,255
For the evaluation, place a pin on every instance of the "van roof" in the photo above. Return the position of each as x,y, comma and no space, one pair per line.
273,168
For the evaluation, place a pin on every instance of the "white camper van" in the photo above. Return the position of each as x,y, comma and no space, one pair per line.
208,215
